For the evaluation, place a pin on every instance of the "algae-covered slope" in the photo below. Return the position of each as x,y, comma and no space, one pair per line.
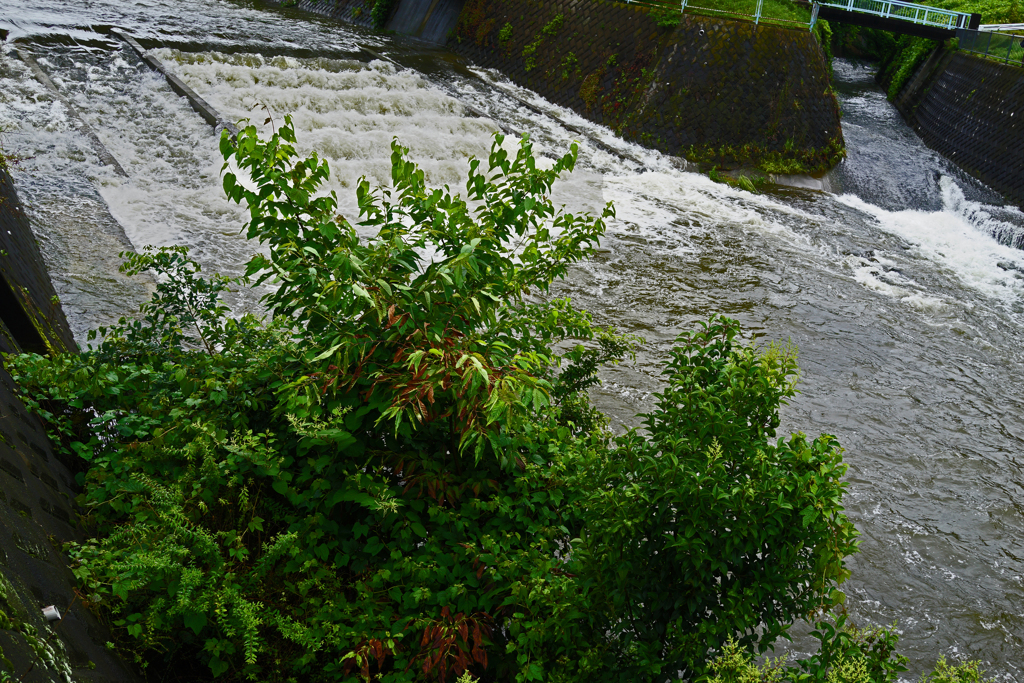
711,90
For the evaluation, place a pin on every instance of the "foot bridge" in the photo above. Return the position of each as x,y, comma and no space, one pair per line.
896,16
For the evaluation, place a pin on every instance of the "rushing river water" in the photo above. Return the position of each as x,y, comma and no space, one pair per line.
902,287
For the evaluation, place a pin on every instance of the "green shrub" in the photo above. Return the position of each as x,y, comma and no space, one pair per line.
397,477
549,30
667,17
505,34
381,12
845,654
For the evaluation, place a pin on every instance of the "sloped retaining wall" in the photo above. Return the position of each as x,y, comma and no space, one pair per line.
715,91
350,11
754,92
37,489
427,20
971,110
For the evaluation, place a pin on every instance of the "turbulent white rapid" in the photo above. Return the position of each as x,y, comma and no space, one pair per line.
904,290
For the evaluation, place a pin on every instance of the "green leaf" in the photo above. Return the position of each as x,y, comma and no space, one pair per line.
195,621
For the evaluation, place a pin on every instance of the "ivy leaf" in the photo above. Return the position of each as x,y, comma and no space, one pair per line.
195,621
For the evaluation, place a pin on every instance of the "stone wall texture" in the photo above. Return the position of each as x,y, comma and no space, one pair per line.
971,110
37,488
350,11
704,84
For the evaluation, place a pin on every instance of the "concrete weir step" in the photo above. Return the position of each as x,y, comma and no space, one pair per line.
201,106
106,158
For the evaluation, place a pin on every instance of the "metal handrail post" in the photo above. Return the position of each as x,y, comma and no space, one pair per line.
814,14
757,15
682,7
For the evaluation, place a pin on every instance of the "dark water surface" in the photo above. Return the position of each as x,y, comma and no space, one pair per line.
901,288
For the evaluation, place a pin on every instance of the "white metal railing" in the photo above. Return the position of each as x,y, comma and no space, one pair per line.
1001,28
889,9
756,16
1006,47
906,11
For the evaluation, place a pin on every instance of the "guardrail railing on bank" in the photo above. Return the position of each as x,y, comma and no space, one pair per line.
1006,47
923,15
757,15
1001,27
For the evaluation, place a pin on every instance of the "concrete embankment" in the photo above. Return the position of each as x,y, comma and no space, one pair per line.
714,91
706,89
971,110
37,487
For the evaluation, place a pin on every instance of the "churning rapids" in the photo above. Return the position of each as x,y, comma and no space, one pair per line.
903,288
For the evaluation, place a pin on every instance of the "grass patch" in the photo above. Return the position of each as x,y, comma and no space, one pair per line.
780,12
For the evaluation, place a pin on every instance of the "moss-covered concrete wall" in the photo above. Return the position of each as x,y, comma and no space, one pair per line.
356,12
30,313
971,110
37,489
708,89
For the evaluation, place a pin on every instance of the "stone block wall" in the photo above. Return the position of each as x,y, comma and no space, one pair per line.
701,88
971,110
356,12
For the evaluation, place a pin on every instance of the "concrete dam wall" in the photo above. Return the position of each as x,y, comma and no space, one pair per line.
710,90
971,110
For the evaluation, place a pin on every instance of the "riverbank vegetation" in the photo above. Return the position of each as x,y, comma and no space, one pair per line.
777,12
398,475
900,56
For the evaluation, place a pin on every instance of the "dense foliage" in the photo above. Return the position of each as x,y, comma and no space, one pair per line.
906,53
398,476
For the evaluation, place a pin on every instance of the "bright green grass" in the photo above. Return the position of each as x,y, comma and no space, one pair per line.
779,12
773,11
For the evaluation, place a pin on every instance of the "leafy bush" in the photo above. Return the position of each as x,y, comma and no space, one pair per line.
736,535
846,654
397,477
505,34
667,17
381,12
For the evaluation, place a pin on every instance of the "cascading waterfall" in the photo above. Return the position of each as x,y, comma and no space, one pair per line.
904,290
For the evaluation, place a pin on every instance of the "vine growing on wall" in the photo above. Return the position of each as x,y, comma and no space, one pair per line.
548,31
381,12
620,104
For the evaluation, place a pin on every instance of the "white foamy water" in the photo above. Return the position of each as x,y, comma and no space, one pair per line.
346,111
959,239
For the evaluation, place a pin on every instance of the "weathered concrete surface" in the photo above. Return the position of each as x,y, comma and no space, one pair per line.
198,104
30,311
428,20
350,11
688,88
971,110
106,158
37,488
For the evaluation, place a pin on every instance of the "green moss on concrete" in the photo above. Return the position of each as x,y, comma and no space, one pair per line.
789,161
703,82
